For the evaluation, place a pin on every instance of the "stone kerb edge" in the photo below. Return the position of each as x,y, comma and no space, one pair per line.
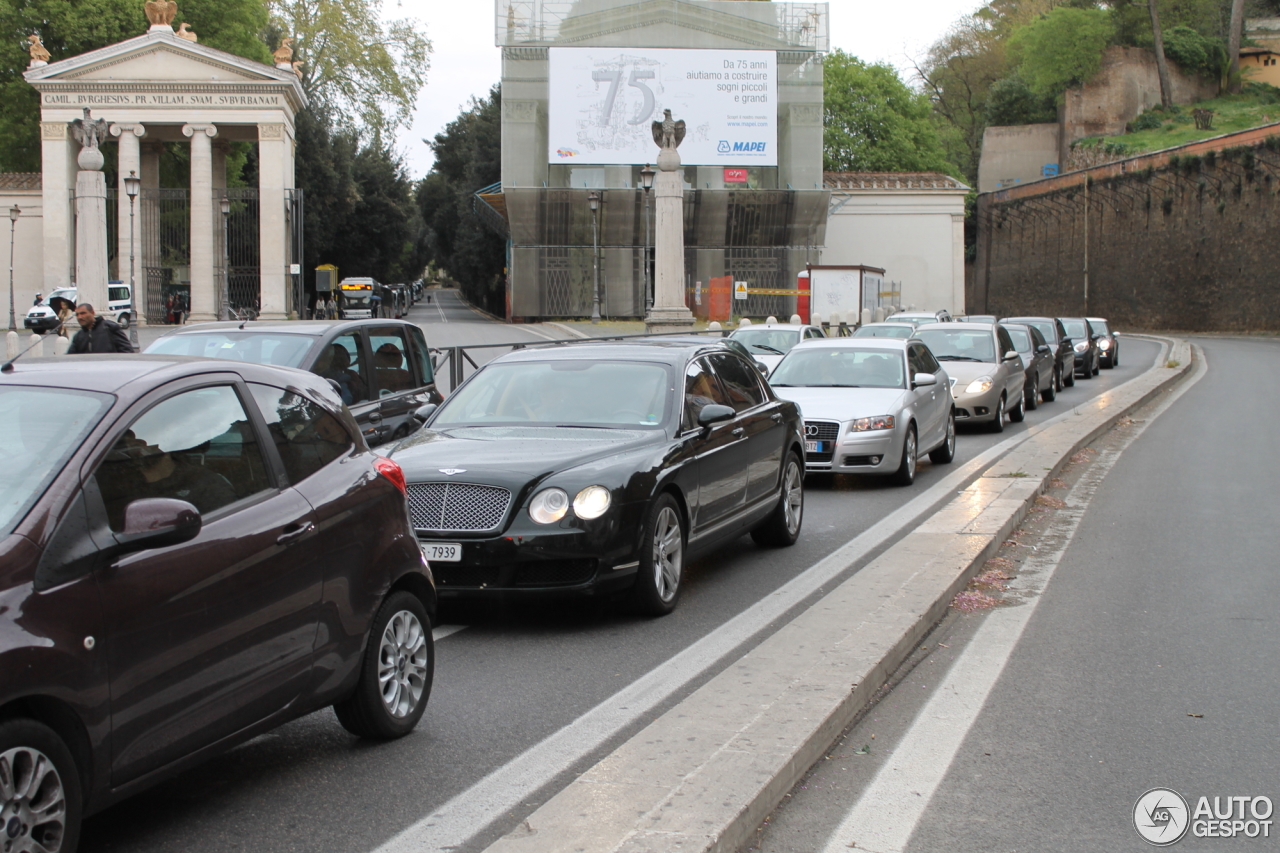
668,826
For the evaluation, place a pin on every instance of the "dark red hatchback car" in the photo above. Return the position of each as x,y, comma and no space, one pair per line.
191,552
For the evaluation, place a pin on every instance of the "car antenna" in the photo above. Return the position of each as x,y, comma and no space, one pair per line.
7,367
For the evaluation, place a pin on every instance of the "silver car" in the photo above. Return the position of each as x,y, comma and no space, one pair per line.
885,330
870,405
769,342
987,374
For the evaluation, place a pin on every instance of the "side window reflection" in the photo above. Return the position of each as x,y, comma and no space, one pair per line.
307,437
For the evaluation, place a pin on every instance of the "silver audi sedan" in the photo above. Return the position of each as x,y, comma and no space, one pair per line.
988,377
870,405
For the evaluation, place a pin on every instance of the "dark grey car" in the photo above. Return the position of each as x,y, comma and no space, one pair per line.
1055,335
1039,360
380,367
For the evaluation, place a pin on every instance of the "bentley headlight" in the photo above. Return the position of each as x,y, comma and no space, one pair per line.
981,385
1083,346
867,424
591,502
549,506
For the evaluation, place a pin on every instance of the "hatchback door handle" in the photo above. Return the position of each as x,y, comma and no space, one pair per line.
297,531
777,417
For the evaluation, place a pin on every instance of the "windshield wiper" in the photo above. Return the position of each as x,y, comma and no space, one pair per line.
956,358
583,426
768,348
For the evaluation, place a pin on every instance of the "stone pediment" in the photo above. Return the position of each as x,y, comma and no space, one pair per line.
160,58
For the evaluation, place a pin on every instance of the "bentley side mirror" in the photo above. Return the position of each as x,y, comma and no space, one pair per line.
158,523
923,380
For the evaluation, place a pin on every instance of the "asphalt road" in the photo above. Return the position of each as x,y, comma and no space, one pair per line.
506,679
1143,657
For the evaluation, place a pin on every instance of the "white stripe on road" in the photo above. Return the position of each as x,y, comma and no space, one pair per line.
507,787
886,815
441,631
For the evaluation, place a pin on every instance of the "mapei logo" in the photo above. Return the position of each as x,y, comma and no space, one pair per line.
727,147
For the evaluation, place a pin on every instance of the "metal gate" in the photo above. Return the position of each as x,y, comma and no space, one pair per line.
165,225
238,263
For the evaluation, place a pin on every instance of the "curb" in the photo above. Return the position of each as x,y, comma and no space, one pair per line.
704,774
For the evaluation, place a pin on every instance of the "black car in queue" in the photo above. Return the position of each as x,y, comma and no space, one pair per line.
600,468
1108,342
1055,335
1084,343
380,367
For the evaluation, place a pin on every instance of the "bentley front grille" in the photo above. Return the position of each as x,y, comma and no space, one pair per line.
457,507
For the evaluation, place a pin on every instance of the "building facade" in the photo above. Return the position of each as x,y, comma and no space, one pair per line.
754,210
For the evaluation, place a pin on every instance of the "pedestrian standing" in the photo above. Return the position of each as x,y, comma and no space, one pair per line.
97,334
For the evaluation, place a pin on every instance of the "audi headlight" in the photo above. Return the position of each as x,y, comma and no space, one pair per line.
1083,346
1104,344
867,424
981,385
549,506
591,502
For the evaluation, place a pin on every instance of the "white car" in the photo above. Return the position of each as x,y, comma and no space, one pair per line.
769,342
44,317
870,405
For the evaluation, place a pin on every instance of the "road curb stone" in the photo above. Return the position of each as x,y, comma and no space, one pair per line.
704,774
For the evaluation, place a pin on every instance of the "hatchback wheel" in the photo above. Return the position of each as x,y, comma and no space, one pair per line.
782,527
945,452
39,790
657,586
906,473
997,425
1069,377
1019,412
395,677
1030,398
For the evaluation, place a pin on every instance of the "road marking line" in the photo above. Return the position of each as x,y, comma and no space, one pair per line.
465,815
887,813
441,631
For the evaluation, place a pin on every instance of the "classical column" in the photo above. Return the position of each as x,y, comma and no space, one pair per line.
129,159
669,313
273,237
58,179
204,303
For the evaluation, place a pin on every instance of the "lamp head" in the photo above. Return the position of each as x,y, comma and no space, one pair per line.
132,184
14,212
224,204
593,200
646,177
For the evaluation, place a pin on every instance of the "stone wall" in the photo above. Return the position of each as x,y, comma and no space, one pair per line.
1017,154
1183,245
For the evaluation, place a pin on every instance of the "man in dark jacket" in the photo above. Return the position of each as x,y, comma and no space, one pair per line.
97,334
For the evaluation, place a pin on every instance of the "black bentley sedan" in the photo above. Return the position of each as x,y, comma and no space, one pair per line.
600,468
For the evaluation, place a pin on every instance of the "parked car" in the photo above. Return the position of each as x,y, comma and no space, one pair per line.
1108,342
599,468
44,318
974,318
769,342
1038,358
381,368
193,552
1056,337
920,317
885,330
711,339
1084,343
987,374
871,406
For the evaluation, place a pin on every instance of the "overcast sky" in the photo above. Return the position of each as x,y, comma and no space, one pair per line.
465,61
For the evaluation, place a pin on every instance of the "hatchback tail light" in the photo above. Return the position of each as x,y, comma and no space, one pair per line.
392,472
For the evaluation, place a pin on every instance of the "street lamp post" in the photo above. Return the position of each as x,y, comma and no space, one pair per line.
14,213
593,199
131,186
224,204
646,181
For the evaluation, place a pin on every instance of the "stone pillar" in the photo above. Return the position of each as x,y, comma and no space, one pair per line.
273,238
669,313
58,177
91,230
129,159
957,264
204,303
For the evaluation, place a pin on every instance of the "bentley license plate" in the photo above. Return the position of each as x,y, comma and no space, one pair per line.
813,447
442,552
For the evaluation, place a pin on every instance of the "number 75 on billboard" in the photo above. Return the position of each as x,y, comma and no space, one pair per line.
603,101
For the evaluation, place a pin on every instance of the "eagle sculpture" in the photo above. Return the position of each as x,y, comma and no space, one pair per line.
184,33
668,133
38,53
161,12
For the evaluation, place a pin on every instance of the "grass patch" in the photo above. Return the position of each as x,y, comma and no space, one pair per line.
1172,363
1256,106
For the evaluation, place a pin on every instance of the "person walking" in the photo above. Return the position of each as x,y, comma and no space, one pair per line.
97,334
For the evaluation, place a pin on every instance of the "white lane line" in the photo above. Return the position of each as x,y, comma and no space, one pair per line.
441,631
465,815
886,815
440,309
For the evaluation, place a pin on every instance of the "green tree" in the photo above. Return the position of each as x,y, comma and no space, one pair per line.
1011,101
874,122
362,70
1062,49
73,27
468,158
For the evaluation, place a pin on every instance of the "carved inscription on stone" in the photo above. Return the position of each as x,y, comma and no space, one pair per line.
159,99
53,130
520,111
803,114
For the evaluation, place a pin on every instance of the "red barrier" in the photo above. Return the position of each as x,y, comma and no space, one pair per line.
802,296
720,298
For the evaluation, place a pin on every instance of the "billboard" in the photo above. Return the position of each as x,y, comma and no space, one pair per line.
603,101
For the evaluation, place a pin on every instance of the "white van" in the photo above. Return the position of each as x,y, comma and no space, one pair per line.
43,318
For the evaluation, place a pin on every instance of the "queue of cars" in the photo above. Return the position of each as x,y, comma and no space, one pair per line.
197,544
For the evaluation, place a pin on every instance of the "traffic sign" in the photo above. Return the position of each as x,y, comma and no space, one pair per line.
739,290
